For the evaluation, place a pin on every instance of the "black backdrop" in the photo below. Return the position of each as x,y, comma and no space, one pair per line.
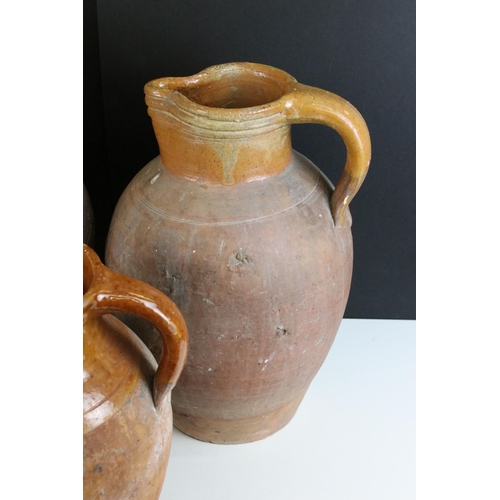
363,50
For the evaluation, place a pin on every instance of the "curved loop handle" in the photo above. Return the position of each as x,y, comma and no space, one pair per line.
108,292
305,104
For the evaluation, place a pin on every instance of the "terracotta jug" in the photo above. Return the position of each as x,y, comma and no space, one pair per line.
245,235
127,418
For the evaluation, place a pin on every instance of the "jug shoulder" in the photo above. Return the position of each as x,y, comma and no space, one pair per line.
173,197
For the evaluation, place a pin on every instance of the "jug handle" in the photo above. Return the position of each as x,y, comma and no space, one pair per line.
305,104
111,292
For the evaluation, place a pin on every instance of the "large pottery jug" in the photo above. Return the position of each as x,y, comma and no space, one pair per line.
127,418
245,235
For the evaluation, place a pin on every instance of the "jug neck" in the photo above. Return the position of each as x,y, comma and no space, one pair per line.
225,125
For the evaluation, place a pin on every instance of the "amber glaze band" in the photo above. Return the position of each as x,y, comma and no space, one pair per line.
231,123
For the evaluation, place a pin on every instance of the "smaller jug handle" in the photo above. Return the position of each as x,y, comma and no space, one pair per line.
305,104
111,292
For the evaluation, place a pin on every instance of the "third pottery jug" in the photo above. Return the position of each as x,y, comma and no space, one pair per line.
245,236
88,219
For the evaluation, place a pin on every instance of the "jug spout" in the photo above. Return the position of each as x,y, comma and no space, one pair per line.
224,125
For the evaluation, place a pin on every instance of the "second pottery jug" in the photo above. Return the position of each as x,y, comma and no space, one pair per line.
127,415
247,237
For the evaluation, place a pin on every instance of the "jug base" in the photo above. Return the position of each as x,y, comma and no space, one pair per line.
236,431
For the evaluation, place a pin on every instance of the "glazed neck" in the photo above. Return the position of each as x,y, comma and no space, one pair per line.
226,125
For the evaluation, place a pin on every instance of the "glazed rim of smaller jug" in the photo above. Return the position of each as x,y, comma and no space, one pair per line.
88,271
233,93
93,274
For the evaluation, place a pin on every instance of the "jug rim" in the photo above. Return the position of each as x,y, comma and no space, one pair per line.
238,81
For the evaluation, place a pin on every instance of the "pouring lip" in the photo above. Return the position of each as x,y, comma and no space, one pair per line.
89,264
93,278
173,89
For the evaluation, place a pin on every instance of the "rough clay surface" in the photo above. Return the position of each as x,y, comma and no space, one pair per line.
261,276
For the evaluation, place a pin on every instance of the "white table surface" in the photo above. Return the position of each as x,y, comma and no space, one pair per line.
353,437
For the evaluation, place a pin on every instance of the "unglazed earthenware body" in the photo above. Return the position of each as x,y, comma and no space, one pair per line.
127,415
245,236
